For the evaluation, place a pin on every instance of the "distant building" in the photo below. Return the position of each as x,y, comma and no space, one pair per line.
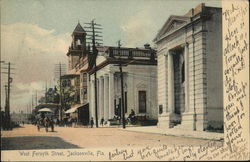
139,76
189,52
20,117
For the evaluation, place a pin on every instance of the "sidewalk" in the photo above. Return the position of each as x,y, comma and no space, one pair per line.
178,132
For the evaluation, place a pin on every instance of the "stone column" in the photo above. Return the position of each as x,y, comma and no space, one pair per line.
92,113
111,95
164,119
106,97
101,106
170,83
186,78
188,115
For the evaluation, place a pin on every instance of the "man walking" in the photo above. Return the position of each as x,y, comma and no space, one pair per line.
92,122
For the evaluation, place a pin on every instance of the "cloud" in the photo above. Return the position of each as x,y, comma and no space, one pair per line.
34,51
137,28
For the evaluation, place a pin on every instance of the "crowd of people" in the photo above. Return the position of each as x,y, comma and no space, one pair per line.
131,119
46,122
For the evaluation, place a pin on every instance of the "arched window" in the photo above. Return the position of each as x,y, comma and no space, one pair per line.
183,72
78,42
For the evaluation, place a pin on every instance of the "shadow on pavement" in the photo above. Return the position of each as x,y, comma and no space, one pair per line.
35,142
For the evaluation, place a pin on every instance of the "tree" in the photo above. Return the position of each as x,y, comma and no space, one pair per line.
52,96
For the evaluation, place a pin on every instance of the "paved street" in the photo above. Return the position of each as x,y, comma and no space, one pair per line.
27,137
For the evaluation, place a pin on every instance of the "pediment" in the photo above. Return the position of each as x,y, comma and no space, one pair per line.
172,23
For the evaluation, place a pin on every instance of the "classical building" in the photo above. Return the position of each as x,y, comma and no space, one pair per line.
189,52
139,78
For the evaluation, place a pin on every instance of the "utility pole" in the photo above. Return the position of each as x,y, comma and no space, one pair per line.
36,97
6,99
7,105
1,89
45,95
95,37
122,87
32,103
60,82
60,70
8,112
122,90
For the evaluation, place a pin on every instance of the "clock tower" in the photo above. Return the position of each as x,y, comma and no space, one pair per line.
77,49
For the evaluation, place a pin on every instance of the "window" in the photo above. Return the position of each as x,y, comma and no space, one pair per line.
142,101
84,92
183,72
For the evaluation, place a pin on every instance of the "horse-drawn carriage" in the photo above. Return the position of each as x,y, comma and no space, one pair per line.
45,123
43,120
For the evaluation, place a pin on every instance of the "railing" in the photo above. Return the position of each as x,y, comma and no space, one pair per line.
131,53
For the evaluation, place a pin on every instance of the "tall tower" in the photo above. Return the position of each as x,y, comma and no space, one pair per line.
78,46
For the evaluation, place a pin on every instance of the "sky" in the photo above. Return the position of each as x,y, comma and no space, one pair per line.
36,34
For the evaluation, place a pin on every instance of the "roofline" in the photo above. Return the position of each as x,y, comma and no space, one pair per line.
116,61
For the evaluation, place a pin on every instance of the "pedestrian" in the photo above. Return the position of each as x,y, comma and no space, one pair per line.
102,121
52,125
57,121
46,123
40,123
92,122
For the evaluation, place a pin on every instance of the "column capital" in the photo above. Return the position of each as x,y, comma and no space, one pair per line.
167,53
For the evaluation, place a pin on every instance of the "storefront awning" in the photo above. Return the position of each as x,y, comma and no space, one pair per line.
71,110
74,108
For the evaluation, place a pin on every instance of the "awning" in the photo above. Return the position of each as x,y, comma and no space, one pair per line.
70,110
74,108
45,110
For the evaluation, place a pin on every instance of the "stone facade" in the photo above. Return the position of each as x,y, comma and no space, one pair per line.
190,94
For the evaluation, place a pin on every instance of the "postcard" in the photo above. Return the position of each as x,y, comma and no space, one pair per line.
141,80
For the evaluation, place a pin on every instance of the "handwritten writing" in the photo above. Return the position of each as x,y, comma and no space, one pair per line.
235,56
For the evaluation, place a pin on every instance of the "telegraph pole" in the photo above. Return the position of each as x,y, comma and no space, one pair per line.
7,104
122,90
95,37
45,94
1,90
60,70
6,99
36,97
9,80
32,103
60,82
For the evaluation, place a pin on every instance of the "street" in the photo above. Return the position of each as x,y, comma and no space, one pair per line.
27,137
